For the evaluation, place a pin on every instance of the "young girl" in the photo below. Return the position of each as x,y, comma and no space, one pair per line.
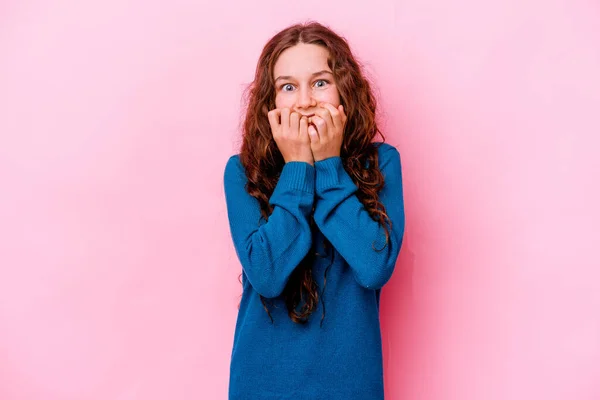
316,215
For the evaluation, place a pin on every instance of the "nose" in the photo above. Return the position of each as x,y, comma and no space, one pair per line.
306,99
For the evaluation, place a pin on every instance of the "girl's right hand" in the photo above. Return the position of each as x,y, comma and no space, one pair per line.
290,132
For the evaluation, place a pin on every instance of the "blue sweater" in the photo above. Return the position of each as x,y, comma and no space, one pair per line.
342,358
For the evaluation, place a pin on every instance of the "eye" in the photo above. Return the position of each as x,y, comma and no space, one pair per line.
321,80
286,85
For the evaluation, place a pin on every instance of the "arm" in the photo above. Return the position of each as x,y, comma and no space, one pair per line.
346,223
270,252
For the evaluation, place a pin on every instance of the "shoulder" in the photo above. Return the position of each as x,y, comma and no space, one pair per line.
233,167
386,151
233,161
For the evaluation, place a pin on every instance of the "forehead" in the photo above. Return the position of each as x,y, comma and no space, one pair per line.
301,60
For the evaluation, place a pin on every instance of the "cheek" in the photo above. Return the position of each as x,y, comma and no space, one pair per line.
331,96
284,102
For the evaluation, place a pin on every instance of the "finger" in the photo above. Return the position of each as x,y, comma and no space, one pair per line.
285,119
313,135
294,122
303,131
326,116
274,119
335,115
342,113
320,125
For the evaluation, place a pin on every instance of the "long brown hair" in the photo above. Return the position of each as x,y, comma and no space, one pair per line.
263,161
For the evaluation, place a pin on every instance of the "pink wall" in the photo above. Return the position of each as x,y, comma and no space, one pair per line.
118,279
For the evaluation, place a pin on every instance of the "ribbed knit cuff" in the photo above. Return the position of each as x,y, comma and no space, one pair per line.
330,172
298,175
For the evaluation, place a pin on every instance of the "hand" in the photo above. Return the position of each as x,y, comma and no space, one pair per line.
291,135
326,131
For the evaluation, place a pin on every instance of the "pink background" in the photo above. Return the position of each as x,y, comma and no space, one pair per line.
118,279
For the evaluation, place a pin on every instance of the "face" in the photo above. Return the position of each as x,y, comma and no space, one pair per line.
303,79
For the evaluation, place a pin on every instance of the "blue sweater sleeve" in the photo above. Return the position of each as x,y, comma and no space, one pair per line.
271,250
346,223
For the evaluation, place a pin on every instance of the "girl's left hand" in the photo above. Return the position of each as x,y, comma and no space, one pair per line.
326,139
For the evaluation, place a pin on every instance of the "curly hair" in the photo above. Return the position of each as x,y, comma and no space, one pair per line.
263,161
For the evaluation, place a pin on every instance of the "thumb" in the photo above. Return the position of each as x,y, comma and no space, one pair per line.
313,135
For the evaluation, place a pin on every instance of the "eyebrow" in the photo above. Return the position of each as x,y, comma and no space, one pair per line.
313,75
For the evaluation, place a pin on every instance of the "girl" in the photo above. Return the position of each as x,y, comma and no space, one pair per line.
316,215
